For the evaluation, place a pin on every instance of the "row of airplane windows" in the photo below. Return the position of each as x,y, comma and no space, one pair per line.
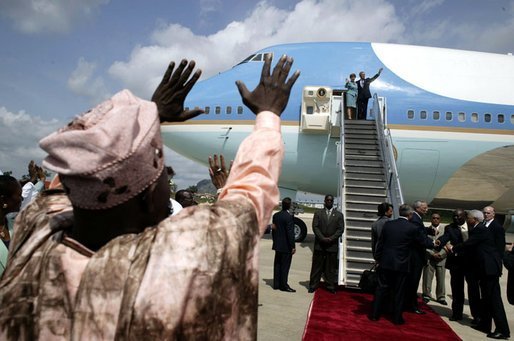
461,116
217,110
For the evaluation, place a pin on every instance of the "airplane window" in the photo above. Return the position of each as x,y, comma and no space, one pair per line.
474,117
487,117
436,115
501,118
410,114
247,59
228,110
423,114
186,108
462,116
449,115
512,119
310,110
207,110
239,110
257,58
217,110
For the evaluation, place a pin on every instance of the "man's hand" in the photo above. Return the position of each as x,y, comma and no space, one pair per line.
172,91
293,251
448,248
272,92
218,171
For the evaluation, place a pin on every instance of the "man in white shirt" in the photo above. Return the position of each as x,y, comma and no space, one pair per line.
435,265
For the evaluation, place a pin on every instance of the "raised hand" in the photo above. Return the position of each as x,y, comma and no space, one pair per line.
272,92
172,91
218,171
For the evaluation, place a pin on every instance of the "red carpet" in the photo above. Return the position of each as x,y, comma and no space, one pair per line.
343,316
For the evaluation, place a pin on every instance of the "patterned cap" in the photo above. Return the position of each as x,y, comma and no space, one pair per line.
108,155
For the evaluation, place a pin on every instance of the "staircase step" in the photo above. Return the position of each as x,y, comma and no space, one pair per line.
361,215
363,260
358,123
364,170
363,245
360,141
355,190
359,156
365,183
355,198
363,176
368,152
359,146
364,163
353,233
361,206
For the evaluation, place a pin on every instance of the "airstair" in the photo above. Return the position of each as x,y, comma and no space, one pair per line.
368,177
367,171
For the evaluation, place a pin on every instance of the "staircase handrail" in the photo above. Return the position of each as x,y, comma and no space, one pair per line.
394,190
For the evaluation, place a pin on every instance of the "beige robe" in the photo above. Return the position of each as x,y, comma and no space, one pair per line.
194,276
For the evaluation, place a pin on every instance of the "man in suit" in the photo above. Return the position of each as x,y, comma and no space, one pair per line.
461,268
418,259
393,255
284,246
328,226
435,265
495,228
488,264
364,94
384,212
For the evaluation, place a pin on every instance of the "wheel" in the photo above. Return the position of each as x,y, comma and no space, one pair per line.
300,230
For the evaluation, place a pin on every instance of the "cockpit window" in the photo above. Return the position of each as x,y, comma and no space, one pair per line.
259,57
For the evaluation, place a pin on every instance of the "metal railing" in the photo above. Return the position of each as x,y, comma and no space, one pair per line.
394,190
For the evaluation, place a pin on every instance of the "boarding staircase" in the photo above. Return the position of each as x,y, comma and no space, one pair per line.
368,177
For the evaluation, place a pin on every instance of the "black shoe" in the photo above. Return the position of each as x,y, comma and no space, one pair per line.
482,329
331,290
476,322
291,289
399,322
442,301
498,336
311,290
418,311
455,318
426,299
287,289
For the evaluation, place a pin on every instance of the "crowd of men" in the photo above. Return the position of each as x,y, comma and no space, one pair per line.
472,247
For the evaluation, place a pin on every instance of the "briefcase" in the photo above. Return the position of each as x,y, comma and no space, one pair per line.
369,280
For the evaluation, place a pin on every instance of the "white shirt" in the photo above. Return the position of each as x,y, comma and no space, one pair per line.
175,206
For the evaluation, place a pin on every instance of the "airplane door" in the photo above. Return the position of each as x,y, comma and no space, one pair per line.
418,170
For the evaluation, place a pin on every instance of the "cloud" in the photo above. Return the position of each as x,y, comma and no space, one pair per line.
330,20
19,137
37,16
83,83
187,172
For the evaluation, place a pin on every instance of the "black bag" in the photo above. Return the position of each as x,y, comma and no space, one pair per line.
369,280
508,260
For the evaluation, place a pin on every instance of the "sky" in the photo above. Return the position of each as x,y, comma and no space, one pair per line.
61,57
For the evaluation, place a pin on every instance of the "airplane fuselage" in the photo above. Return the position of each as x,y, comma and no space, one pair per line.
451,122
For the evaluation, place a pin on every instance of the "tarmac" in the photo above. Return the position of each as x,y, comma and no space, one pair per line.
282,315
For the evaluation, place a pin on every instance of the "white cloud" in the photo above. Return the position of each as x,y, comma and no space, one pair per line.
83,83
36,16
187,172
19,137
329,20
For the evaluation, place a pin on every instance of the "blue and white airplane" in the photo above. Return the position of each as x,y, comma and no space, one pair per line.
450,115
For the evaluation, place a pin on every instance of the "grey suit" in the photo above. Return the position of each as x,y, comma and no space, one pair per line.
327,230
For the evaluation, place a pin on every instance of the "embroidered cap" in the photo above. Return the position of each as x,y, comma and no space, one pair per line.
108,155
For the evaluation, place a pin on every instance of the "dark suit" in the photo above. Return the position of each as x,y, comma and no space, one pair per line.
418,261
461,269
508,261
498,235
393,254
283,244
376,230
324,257
488,264
363,96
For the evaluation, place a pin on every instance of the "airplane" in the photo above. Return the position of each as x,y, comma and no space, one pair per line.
449,113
